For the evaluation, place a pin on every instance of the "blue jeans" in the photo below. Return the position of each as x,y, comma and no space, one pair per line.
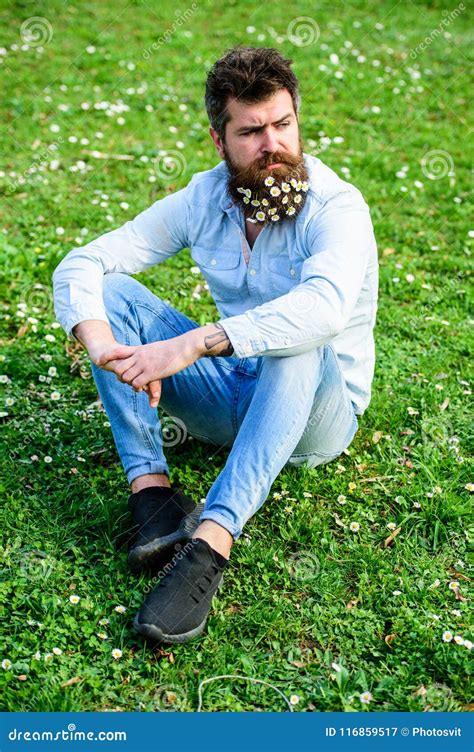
270,411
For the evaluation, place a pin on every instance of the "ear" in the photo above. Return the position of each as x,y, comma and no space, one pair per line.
217,142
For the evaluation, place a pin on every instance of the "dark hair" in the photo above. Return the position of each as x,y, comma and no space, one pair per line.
249,74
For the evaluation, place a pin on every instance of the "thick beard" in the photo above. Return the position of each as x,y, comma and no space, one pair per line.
292,175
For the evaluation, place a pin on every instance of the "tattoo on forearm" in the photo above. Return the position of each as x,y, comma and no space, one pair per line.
211,342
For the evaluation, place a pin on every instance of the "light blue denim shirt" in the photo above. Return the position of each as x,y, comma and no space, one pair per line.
305,283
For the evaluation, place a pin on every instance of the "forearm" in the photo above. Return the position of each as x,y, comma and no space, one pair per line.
94,334
210,340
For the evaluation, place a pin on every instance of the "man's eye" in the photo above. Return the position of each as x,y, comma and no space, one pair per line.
284,124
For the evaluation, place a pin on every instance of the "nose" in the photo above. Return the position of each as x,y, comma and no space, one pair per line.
270,142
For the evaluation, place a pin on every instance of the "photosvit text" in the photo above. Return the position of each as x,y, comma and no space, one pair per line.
391,731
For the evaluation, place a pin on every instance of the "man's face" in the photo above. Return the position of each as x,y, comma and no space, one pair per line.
257,131
262,142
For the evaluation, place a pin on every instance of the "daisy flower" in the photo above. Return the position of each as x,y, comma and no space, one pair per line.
104,622
271,211
255,202
397,592
304,186
352,486
37,656
275,218
48,657
120,609
447,636
74,599
275,191
284,200
341,499
468,644
57,651
290,211
6,664
469,487
297,199
260,215
453,585
354,526
458,639
286,188
365,698
47,459
294,700
264,201
116,654
269,180
391,525
293,182
55,395
102,636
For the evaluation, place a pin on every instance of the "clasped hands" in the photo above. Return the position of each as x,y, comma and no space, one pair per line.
143,366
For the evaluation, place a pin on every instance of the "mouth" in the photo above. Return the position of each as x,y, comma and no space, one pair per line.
274,164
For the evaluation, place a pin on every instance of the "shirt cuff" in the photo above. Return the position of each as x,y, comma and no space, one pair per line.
243,335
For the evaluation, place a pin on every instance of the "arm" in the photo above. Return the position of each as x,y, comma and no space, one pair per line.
340,240
144,366
153,236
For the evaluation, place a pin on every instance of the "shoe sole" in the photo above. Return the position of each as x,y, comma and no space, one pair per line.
160,550
155,635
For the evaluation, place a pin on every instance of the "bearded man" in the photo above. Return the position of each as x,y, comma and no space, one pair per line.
282,378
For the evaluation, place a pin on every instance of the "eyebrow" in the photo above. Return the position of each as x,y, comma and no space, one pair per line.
253,128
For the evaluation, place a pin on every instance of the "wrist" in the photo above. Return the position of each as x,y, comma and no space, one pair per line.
196,342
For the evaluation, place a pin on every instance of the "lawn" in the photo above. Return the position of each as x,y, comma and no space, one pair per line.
102,114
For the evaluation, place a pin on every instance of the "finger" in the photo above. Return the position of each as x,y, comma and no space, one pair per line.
154,393
129,375
115,353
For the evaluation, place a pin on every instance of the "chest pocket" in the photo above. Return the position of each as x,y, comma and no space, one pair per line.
222,271
283,273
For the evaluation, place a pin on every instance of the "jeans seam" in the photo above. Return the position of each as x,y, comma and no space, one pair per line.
147,436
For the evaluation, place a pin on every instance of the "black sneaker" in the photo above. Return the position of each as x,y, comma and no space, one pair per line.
165,519
176,610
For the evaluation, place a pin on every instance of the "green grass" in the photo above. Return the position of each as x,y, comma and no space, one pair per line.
303,593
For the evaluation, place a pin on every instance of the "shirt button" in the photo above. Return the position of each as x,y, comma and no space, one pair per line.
292,272
287,340
213,262
252,272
